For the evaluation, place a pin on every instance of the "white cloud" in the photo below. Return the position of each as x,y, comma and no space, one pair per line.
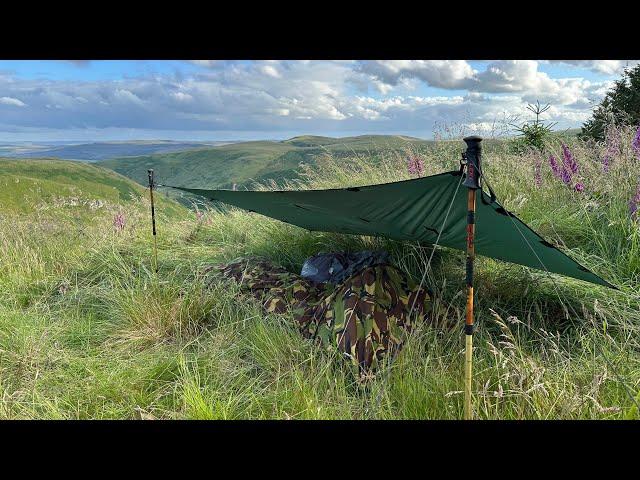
308,97
282,112
511,76
502,76
270,71
205,63
437,73
606,67
181,96
127,96
503,86
12,101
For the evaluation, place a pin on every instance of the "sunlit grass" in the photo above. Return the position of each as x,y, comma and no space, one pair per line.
87,330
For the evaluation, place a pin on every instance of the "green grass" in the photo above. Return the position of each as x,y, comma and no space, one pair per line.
28,186
87,330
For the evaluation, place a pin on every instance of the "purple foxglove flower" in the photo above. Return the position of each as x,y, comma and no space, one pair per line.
554,166
566,176
569,160
579,187
636,143
415,166
119,222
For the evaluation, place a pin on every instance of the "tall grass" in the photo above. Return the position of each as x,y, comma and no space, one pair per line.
87,329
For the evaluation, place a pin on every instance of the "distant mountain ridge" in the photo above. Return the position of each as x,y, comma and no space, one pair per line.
97,151
246,162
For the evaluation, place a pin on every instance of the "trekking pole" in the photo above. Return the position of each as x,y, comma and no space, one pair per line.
153,221
473,157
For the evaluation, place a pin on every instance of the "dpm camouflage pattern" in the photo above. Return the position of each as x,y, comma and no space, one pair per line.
364,317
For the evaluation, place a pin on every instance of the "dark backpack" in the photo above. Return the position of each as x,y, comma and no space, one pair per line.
338,266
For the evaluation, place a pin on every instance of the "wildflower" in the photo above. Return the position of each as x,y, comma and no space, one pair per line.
579,187
554,166
415,166
563,173
119,222
569,160
636,143
537,174
199,215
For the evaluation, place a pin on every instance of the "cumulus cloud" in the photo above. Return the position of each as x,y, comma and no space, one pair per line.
12,101
606,67
437,73
516,81
503,76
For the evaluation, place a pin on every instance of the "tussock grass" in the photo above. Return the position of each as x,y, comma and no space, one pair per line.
88,330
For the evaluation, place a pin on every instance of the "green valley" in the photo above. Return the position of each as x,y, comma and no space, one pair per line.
259,161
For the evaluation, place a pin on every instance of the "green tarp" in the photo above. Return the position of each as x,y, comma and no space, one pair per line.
410,210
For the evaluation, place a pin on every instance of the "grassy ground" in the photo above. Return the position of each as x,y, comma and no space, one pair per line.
89,331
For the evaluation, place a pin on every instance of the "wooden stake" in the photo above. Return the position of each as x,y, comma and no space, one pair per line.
153,221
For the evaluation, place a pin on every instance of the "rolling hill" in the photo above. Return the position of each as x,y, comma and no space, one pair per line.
246,162
29,186
93,152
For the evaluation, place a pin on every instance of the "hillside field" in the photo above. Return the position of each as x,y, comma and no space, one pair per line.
247,163
93,152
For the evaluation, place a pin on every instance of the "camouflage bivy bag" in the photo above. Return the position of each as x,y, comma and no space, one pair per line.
364,317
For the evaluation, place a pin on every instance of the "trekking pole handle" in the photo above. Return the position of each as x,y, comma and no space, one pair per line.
473,156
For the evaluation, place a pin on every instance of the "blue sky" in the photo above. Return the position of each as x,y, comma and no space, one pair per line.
230,100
